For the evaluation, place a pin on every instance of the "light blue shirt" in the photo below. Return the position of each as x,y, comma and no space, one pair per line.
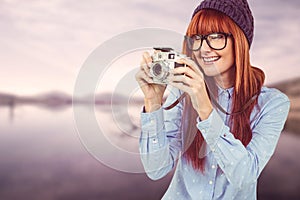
231,169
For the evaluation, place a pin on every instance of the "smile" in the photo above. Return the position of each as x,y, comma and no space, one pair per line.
211,59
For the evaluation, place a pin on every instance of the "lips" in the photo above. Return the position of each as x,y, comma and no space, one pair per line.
211,59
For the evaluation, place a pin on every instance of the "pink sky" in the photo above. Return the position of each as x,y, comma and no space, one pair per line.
43,44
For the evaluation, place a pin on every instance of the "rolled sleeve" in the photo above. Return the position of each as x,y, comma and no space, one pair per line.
152,125
160,140
211,128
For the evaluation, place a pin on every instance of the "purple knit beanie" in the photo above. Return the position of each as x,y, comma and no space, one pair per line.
237,10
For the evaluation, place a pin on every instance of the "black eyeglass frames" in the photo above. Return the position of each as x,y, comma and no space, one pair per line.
216,41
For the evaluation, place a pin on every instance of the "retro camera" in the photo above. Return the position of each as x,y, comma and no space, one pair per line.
163,60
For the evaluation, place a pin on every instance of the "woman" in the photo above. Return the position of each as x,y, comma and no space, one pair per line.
223,133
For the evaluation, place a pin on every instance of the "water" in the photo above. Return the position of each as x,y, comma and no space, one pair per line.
43,157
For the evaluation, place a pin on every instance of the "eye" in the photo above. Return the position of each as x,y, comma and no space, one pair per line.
216,36
196,37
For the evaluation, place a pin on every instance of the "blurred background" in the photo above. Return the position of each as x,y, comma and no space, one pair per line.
43,45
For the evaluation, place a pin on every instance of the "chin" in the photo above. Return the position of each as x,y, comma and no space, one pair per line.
210,70
211,73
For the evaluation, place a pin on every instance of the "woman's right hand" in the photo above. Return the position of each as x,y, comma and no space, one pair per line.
153,93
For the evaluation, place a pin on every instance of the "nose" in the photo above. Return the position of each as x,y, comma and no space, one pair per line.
205,47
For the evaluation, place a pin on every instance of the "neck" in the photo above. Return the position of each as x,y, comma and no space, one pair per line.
226,80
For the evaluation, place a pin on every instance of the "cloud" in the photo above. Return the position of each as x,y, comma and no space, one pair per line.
275,46
49,40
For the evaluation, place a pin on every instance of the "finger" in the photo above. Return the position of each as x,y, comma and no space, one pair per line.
184,70
142,77
145,67
146,62
138,76
182,79
146,57
181,86
191,64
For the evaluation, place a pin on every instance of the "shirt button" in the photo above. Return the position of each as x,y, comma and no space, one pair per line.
210,182
154,141
213,166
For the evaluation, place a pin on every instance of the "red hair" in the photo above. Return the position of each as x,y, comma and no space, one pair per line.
248,81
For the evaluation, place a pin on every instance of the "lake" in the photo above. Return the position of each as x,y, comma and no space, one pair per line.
44,156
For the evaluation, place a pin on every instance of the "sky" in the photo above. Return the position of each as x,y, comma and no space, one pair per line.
44,44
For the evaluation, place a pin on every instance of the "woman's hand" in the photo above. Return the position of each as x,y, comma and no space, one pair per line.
191,80
153,93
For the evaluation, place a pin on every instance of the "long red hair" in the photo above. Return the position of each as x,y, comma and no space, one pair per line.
248,81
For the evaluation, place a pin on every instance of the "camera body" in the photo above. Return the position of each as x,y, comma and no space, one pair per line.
163,60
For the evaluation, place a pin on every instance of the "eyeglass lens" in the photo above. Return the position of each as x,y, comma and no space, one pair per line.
215,41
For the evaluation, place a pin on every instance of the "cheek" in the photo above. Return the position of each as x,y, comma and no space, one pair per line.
229,58
197,57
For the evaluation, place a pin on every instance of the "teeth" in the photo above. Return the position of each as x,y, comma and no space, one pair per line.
210,59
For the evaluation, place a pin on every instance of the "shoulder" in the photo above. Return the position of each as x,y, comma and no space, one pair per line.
272,94
272,107
270,98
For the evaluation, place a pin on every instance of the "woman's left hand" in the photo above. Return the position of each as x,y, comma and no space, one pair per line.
191,80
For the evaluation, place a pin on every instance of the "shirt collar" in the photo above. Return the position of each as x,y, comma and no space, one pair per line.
227,92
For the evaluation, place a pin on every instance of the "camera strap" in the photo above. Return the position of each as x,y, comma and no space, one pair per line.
176,102
238,112
218,106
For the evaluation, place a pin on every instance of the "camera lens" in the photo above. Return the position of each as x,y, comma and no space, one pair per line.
157,69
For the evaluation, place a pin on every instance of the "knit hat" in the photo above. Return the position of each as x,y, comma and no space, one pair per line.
237,10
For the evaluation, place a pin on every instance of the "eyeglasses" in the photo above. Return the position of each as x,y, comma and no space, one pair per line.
216,41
